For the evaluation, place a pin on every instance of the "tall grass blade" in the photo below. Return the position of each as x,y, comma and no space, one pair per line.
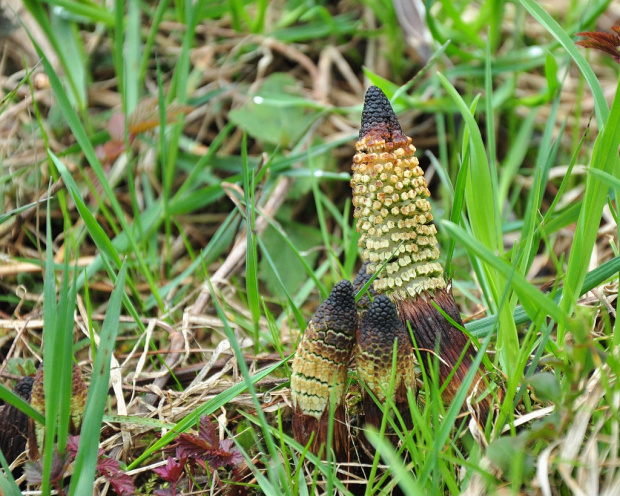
604,158
8,486
406,481
251,259
87,455
532,299
87,148
593,279
49,345
481,200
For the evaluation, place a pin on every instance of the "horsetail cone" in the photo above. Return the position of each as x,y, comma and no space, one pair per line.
394,218
320,368
14,424
380,329
390,197
79,393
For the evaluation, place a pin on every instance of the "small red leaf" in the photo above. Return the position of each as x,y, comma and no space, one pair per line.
189,446
207,447
34,470
122,484
208,432
168,491
172,471
221,458
111,470
605,42
116,127
73,442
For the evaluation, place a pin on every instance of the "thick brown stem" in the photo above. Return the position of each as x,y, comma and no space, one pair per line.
433,332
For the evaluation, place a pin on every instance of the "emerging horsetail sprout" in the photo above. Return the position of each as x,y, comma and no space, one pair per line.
394,218
14,424
79,392
320,372
379,330
390,196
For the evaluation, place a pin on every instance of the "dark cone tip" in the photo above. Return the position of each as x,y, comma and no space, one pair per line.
24,387
339,311
379,328
381,317
378,112
342,294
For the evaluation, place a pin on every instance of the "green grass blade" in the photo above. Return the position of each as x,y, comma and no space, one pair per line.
87,148
68,38
62,378
298,316
38,11
96,231
11,398
483,211
604,158
87,455
479,194
131,58
90,10
8,487
593,279
150,40
317,462
251,258
442,433
406,481
311,273
490,123
531,221
532,299
49,345
516,155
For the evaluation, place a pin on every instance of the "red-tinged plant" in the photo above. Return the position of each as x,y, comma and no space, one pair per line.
119,480
207,447
171,472
34,470
605,42
109,468
205,450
